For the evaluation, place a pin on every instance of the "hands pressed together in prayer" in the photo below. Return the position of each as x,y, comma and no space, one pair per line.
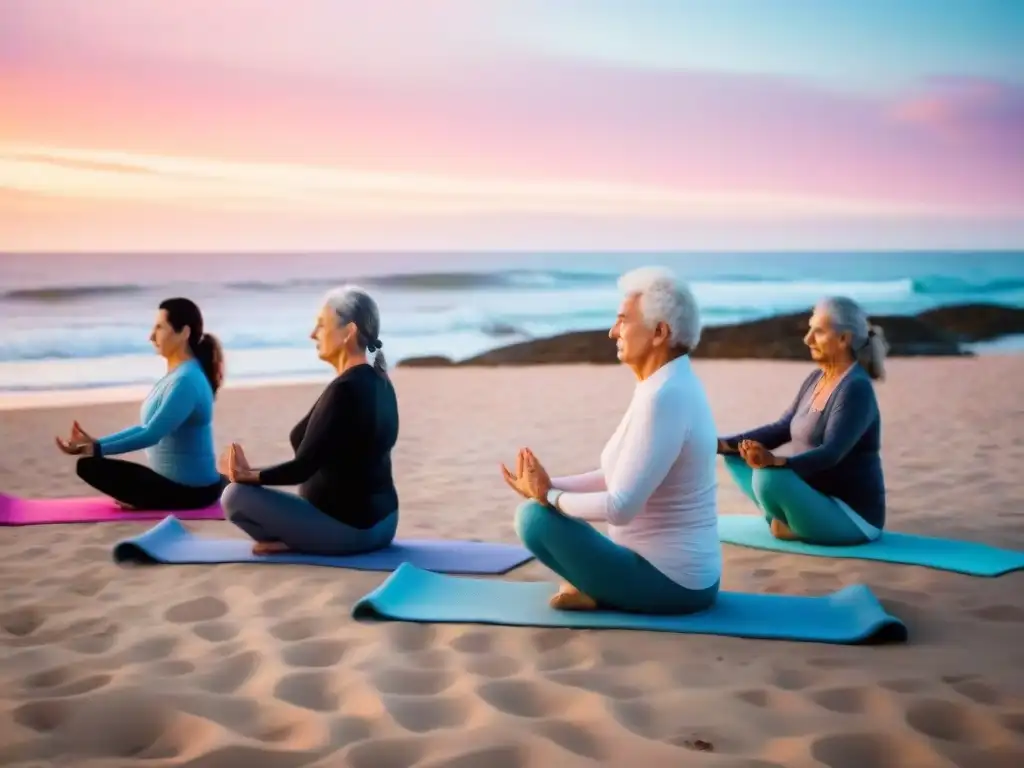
80,442
530,480
233,465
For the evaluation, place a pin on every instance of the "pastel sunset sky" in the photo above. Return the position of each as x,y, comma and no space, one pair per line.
511,124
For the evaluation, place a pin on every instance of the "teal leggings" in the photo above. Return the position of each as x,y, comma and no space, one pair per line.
614,576
782,495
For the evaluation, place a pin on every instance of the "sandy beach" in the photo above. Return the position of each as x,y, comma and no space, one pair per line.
262,667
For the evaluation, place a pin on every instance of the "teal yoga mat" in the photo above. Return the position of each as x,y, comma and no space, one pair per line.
171,543
850,616
904,548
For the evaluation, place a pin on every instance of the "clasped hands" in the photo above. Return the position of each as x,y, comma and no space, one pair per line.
530,480
235,466
80,442
757,456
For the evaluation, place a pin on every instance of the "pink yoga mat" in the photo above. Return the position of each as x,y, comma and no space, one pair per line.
92,509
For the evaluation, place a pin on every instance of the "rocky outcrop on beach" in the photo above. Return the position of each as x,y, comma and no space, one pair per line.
938,332
970,323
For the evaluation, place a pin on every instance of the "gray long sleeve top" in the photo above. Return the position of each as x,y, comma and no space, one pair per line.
841,457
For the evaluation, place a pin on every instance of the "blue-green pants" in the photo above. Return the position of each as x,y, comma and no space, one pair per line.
781,494
616,577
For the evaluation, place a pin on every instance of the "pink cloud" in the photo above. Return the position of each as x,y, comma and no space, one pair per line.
541,118
968,110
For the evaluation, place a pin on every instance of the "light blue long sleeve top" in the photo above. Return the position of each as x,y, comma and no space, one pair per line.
176,429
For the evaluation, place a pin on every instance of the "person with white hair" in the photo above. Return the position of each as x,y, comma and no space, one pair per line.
830,490
347,502
656,487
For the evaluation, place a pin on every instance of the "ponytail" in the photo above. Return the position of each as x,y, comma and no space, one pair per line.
872,354
380,365
210,356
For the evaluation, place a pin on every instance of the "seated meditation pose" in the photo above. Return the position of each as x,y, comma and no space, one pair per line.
830,489
175,429
347,502
656,486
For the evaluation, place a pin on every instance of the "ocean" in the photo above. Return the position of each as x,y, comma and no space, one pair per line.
71,321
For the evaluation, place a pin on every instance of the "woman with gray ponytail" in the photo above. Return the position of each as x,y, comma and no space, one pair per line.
347,502
831,489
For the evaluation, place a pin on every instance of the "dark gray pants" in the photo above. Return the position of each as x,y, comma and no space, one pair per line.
267,514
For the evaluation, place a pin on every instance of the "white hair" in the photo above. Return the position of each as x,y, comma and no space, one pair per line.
353,304
664,298
867,341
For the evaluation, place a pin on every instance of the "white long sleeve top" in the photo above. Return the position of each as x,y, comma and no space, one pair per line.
657,486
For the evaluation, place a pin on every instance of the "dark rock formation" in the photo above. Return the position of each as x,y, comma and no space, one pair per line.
976,322
937,332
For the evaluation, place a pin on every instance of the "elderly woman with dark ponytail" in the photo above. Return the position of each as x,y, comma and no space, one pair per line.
347,501
176,428
830,489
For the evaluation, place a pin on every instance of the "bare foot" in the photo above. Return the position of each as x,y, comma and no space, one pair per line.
568,598
269,547
781,531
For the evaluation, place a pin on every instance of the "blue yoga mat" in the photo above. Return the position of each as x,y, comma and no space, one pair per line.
907,549
852,615
171,543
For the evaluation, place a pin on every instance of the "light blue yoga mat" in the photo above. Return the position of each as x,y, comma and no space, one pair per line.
171,543
851,616
907,549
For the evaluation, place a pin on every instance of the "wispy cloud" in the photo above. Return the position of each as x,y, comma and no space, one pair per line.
443,114
97,174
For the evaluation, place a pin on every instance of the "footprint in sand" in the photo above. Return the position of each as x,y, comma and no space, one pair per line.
1000,613
410,637
314,653
421,714
49,678
293,630
493,665
230,674
978,692
309,690
95,642
595,681
198,609
546,640
81,686
149,650
904,685
859,750
850,700
473,642
173,668
216,631
350,729
563,657
388,753
413,682
118,723
496,756
21,622
431,659
524,698
948,721
574,738
793,679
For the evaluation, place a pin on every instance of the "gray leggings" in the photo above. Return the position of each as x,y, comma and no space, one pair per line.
267,514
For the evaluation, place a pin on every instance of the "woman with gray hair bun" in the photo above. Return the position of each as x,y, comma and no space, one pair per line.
831,489
347,502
